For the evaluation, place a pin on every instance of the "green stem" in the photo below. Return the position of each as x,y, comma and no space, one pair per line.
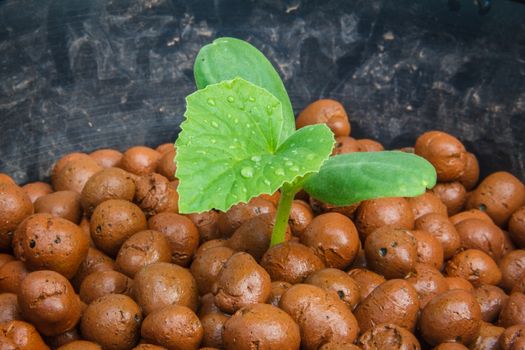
283,212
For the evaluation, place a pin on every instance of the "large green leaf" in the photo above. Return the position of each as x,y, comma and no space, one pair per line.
228,150
228,58
349,178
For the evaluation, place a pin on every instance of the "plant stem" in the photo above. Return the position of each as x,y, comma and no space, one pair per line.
283,212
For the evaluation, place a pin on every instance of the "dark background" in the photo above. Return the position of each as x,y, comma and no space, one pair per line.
82,75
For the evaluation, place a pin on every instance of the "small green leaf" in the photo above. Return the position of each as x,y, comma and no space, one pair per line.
228,58
350,178
228,150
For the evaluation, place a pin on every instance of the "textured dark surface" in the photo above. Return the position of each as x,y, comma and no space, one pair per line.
81,75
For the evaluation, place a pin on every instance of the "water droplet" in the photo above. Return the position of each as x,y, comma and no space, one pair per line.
251,99
288,163
279,172
266,182
229,115
230,99
236,120
256,159
214,124
248,125
244,189
211,101
425,183
269,109
294,168
247,172
213,140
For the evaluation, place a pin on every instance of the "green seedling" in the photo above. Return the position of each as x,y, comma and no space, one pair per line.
239,141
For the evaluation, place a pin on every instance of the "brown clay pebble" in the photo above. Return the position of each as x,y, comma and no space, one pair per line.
206,266
440,227
334,238
114,221
519,286
211,244
111,183
207,305
491,300
75,174
345,144
470,214
36,190
161,284
470,176
155,195
499,195
174,327
451,346
452,194
232,219
517,227
333,345
240,283
5,258
445,152
338,282
291,262
512,266
112,321
101,283
61,163
94,261
301,216
9,309
150,347
6,179
475,266
62,204
181,233
80,345
106,158
320,207
21,336
15,206
140,160
166,166
488,337
366,280
265,325
428,282
395,301
325,111
165,147
368,145
459,283
451,316
513,312
278,289
478,234
429,249
388,336
213,326
142,249
11,275
63,338
207,224
391,252
49,302
508,246
376,213
426,203
510,336
321,316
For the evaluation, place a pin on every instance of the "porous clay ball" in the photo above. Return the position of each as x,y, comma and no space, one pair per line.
499,195
63,338
207,224
491,300
174,327
428,282
320,207
94,261
6,179
426,203
429,249
267,326
49,302
114,221
61,163
376,213
395,301
321,316
278,288
440,227
166,166
334,238
101,283
488,337
479,234
111,183
475,266
338,282
140,160
325,111
470,214
512,266
390,252
445,152
452,194
142,249
206,266
161,284
107,157
154,195
150,347
368,145
511,336
517,227
240,283
44,242
62,204
15,206
74,175
213,326
9,309
470,176
181,233
291,262
11,275
112,321
459,283
301,215
345,144
80,345
20,335
37,189
366,280
230,220
388,336
335,345
453,316
513,312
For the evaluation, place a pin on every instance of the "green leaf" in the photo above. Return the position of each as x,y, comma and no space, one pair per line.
228,58
228,150
350,178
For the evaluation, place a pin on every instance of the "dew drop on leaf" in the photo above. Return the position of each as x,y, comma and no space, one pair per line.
248,125
279,172
268,109
230,99
247,172
213,140
288,163
214,124
294,168
256,159
251,99
229,115
211,101
267,182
